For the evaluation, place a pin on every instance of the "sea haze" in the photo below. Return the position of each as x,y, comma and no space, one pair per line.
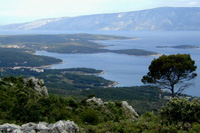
124,69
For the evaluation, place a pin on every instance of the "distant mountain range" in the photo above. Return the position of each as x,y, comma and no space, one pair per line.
164,18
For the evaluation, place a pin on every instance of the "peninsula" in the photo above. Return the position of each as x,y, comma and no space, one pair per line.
67,43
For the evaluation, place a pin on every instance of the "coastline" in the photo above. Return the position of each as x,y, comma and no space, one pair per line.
112,85
145,55
46,66
100,73
156,54
38,67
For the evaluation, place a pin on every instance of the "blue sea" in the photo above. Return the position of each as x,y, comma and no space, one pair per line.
124,69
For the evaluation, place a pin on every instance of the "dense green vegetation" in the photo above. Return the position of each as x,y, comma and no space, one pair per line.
142,98
180,109
68,43
80,82
11,57
20,103
147,123
65,79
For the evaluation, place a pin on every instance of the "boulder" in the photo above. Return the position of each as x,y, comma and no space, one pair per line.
58,127
64,127
41,126
9,127
29,127
70,127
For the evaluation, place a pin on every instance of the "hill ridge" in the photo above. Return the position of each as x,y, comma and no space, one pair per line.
162,18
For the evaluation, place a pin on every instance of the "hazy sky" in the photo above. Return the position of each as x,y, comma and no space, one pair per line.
15,11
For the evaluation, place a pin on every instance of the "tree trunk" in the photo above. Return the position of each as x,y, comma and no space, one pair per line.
172,91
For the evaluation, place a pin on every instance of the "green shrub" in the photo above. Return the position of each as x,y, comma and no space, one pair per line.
90,116
180,109
196,127
72,103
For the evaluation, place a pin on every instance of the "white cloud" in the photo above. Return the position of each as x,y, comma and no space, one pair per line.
193,3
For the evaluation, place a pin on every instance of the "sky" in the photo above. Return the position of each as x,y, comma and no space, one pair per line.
18,11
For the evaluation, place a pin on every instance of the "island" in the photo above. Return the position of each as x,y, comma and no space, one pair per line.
180,47
135,52
67,43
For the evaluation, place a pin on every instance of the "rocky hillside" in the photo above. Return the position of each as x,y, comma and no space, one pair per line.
165,18
27,100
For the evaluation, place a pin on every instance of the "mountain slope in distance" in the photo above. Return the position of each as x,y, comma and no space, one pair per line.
164,18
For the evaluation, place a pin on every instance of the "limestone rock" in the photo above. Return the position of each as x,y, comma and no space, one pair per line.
17,131
130,112
64,127
42,127
8,127
57,127
70,127
28,128
38,85
95,100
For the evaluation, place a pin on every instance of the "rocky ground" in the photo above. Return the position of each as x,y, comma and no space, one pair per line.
42,127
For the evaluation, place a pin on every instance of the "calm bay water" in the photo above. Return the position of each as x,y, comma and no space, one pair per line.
124,69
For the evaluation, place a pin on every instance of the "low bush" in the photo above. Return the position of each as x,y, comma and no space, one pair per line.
180,109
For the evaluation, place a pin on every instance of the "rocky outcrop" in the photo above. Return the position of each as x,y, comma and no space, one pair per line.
9,127
38,85
129,111
42,127
95,100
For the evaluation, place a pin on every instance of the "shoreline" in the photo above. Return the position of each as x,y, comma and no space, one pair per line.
38,67
105,52
112,85
46,66
156,55
145,55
